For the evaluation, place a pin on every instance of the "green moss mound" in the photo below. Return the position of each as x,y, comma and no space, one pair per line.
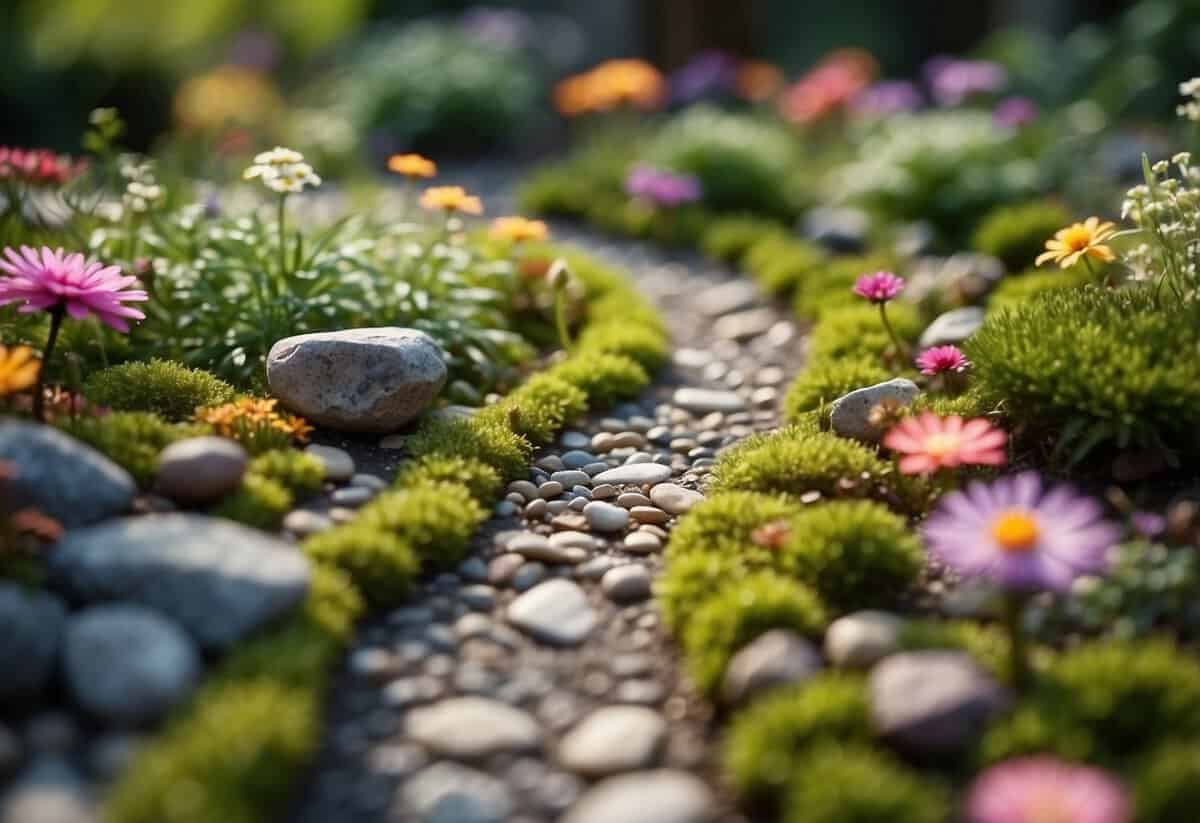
781,264
689,580
729,238
1016,290
856,331
488,440
1093,366
767,742
1167,784
725,522
260,502
1018,234
645,346
987,644
831,285
854,784
161,387
793,461
737,614
299,473
604,378
855,554
483,481
539,408
381,564
132,440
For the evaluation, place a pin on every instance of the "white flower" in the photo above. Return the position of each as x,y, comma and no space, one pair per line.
282,170
279,156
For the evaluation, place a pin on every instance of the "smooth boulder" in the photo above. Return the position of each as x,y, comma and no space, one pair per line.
363,380
201,470
850,414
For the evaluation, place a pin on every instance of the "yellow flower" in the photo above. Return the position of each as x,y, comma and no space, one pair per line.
1079,240
451,198
412,165
519,229
18,369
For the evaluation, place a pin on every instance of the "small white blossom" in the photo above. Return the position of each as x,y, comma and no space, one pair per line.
283,171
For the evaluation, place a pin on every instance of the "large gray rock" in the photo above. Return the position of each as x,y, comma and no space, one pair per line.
850,414
933,703
777,658
367,380
64,478
128,665
201,470
219,580
954,326
33,624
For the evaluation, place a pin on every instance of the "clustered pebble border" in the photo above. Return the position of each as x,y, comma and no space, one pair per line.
235,753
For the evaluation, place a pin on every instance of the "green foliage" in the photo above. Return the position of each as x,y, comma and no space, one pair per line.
298,472
767,742
604,378
728,239
487,440
539,408
970,403
724,524
987,644
855,784
436,519
480,479
855,554
168,389
1105,703
781,263
1017,234
646,346
793,461
381,564
1167,784
826,380
857,331
1015,290
690,579
132,440
739,612
260,502
1094,365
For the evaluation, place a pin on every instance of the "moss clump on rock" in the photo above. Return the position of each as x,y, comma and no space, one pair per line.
162,387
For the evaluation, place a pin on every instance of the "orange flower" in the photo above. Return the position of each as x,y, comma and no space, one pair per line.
758,80
611,85
1077,241
18,369
250,418
412,165
829,86
450,198
929,443
518,229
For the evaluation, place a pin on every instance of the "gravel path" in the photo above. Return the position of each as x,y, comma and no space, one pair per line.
536,683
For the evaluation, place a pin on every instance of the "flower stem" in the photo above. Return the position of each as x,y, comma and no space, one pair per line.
560,318
39,392
901,349
1014,609
1092,271
282,239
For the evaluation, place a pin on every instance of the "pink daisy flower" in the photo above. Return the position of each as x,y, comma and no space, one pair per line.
52,280
879,287
929,443
941,359
1019,534
1043,788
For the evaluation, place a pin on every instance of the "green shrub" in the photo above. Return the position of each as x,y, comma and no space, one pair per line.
725,522
831,285
1018,234
1167,784
855,554
780,263
739,612
647,347
854,784
792,461
729,238
604,378
1105,703
260,502
1015,290
489,441
856,331
436,519
162,387
381,564
540,408
298,472
825,381
132,440
482,480
1094,365
767,741
689,580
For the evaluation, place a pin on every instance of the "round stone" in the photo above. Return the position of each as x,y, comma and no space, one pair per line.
641,542
339,465
473,727
537,547
674,499
555,612
634,474
649,514
450,793
626,584
658,796
613,739
200,470
605,517
861,639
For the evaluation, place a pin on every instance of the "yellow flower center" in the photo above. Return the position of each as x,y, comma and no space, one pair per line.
1015,530
942,444
1077,237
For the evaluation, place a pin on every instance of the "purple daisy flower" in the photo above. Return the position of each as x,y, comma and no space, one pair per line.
662,187
1015,112
952,80
710,73
887,97
1041,788
1020,534
879,287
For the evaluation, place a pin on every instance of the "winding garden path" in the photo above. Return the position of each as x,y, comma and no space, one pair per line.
537,683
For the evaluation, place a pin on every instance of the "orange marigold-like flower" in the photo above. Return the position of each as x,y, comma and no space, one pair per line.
1077,241
18,369
519,229
239,419
412,165
451,198
611,85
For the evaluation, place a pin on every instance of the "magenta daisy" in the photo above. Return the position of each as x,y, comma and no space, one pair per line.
942,360
1043,788
52,280
879,287
1021,535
